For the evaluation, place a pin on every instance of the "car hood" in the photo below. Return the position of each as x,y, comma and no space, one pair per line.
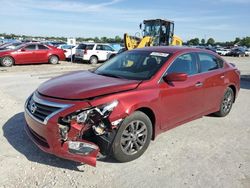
84,85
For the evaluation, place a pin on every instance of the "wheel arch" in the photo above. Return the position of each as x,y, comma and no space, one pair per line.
94,56
150,113
14,60
234,90
54,55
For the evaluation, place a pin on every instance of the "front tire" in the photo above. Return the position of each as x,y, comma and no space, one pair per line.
133,137
226,103
7,61
53,60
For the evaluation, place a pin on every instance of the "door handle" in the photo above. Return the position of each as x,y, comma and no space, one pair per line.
222,77
198,84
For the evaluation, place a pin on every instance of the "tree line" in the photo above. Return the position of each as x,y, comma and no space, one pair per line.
245,41
117,39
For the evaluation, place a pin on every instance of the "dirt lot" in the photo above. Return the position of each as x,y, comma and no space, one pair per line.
208,152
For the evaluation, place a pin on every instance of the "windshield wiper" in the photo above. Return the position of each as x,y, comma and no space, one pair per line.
110,75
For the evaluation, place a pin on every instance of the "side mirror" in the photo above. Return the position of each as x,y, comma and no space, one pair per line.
23,50
140,26
175,77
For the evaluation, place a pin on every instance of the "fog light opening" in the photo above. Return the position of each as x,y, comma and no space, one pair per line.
81,148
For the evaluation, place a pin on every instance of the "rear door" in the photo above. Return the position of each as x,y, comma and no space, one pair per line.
182,100
27,54
80,51
211,69
42,53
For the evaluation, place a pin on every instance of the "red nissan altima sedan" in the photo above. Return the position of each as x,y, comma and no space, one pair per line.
118,108
31,53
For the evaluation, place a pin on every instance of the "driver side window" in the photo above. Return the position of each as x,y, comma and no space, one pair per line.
185,63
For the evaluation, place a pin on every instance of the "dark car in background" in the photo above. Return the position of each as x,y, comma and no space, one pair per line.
237,52
118,108
31,53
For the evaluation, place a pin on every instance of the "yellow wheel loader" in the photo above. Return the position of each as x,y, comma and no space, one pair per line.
156,32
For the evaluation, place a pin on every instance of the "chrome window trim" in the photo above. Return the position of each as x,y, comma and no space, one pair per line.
47,103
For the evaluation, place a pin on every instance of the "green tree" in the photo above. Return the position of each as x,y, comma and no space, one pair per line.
104,39
203,41
245,41
195,41
118,39
210,41
237,40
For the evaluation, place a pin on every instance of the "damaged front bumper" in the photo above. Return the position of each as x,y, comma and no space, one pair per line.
68,135
81,151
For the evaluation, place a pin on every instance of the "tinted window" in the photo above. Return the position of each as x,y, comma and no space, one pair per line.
184,64
85,46
107,48
42,47
99,47
209,62
81,46
31,47
90,46
104,47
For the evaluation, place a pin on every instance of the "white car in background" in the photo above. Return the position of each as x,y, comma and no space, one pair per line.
69,50
222,51
247,52
94,52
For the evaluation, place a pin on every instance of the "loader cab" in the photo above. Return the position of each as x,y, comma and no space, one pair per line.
161,31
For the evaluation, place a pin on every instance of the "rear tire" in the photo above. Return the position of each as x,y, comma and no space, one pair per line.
133,137
226,103
93,60
7,61
53,60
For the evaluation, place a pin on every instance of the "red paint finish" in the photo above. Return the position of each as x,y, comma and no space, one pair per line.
172,104
35,56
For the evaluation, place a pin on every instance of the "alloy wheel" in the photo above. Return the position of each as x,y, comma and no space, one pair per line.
227,101
134,137
7,61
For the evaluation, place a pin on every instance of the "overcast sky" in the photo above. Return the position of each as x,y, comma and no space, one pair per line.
220,19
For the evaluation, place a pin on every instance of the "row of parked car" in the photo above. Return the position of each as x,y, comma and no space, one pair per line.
35,52
236,52
52,52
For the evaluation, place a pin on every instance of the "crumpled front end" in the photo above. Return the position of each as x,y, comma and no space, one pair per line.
72,130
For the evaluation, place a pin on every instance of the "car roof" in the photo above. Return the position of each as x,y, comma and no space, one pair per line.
172,49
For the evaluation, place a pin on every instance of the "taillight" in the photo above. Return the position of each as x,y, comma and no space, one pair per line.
85,51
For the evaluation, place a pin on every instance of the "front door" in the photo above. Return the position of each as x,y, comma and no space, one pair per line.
181,100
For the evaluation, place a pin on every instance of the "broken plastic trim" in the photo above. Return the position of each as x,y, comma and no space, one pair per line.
96,117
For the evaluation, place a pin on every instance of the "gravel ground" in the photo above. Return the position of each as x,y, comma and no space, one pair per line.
208,152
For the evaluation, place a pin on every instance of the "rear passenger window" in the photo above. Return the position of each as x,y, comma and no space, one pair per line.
42,47
90,47
81,46
184,64
31,47
209,62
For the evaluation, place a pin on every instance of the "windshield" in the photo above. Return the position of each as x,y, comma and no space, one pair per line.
133,65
